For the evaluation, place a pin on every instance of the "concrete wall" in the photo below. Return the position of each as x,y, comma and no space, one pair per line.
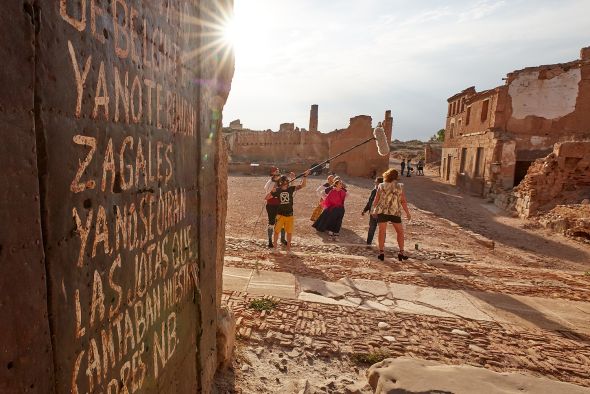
110,152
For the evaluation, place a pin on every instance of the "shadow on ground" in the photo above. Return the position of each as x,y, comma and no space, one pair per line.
447,202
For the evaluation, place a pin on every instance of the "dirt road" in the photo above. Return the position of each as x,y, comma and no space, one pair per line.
519,291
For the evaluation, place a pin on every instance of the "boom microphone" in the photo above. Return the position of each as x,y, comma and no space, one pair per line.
381,140
379,137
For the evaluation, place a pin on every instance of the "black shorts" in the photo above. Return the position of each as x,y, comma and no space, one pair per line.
382,218
271,211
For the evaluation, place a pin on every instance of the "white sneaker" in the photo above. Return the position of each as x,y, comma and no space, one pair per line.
330,233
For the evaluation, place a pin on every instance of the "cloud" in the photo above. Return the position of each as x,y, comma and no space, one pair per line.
480,10
354,57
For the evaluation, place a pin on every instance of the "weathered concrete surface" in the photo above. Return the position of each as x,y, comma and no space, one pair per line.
25,344
278,284
327,289
111,119
535,312
405,375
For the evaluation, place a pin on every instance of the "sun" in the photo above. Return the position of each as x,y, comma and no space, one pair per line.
246,31
230,32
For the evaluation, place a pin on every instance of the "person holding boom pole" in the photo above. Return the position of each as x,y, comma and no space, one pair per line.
285,218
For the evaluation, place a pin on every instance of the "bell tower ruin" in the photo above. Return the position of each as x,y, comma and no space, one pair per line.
313,118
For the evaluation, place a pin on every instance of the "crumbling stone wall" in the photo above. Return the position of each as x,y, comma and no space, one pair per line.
563,177
272,147
432,153
297,150
110,120
365,160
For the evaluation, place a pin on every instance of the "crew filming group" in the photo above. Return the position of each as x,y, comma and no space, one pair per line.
385,205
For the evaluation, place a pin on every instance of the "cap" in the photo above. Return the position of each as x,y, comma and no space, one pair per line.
273,170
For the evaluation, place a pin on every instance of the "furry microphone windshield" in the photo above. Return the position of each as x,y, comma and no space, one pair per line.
381,140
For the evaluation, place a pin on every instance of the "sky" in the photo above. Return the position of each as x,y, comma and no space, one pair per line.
362,57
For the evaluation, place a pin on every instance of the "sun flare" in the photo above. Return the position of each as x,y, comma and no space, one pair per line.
246,32
230,32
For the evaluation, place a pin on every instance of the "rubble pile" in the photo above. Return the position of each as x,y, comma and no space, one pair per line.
571,220
563,177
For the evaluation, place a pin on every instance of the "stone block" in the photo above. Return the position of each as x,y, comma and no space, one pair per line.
409,375
226,336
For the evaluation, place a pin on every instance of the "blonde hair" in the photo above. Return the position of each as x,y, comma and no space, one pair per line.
390,175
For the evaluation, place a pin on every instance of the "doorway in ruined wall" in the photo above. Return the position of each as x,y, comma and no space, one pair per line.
520,171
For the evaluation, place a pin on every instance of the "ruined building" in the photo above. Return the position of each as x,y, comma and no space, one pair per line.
493,137
236,125
297,150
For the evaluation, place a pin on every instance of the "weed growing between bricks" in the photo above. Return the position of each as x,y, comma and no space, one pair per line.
263,304
369,358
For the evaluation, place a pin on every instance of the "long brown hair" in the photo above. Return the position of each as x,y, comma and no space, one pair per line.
390,175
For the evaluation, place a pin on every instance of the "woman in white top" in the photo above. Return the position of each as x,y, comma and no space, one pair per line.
321,190
387,207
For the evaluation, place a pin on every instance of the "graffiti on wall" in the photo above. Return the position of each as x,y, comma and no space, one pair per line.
120,120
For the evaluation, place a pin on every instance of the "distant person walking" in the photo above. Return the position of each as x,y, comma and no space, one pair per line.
272,206
409,168
331,218
372,220
403,165
284,220
420,167
387,208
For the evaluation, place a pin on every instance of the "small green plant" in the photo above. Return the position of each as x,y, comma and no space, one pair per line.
369,358
587,273
263,304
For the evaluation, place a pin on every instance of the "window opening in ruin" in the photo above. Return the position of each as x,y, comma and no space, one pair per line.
479,162
468,115
484,110
462,104
462,162
520,171
449,111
